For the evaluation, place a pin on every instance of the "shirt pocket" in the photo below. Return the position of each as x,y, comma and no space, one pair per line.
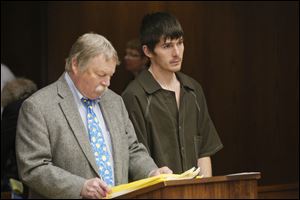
198,145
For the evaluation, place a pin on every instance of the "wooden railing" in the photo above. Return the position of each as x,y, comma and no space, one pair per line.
280,191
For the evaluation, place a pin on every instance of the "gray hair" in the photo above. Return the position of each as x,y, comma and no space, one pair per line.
89,46
17,89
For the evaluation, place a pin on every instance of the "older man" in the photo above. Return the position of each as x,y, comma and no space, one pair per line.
74,137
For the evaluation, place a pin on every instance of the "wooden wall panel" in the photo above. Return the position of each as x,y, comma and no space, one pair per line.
245,55
21,39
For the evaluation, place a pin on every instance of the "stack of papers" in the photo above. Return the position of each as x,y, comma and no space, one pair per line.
129,187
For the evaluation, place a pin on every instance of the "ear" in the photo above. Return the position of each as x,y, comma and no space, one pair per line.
74,65
147,51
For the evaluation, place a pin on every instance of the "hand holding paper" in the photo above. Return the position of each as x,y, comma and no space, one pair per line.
162,170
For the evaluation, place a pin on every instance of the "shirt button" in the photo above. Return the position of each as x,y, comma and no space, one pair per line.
182,149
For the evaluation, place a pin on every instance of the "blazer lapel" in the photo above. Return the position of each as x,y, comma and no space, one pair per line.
70,110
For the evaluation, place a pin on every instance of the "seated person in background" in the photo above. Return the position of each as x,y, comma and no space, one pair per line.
12,97
135,60
74,137
6,75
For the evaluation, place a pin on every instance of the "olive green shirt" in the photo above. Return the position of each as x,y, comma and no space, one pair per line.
176,139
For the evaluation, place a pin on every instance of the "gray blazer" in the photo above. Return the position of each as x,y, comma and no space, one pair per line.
53,151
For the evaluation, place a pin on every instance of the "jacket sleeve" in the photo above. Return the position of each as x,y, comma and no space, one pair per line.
34,157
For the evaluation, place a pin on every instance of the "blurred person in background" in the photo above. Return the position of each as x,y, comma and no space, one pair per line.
13,94
6,75
134,60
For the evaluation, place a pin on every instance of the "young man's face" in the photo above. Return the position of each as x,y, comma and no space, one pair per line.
168,55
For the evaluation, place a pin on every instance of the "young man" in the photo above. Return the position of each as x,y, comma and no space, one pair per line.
74,137
168,108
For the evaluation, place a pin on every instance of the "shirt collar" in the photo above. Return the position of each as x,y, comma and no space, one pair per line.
150,85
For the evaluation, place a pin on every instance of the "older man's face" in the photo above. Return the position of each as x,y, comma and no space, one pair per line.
94,79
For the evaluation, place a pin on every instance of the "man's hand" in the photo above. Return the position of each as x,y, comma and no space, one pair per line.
94,188
163,170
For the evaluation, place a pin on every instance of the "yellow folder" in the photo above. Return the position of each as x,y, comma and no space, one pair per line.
129,187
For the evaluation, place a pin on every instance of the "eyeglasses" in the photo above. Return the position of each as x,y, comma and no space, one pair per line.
130,55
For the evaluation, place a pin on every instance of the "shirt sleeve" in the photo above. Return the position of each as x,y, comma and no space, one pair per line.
208,141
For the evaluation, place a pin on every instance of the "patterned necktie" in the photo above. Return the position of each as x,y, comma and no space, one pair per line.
98,144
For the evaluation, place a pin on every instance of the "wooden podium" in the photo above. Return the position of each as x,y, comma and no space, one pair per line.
242,185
